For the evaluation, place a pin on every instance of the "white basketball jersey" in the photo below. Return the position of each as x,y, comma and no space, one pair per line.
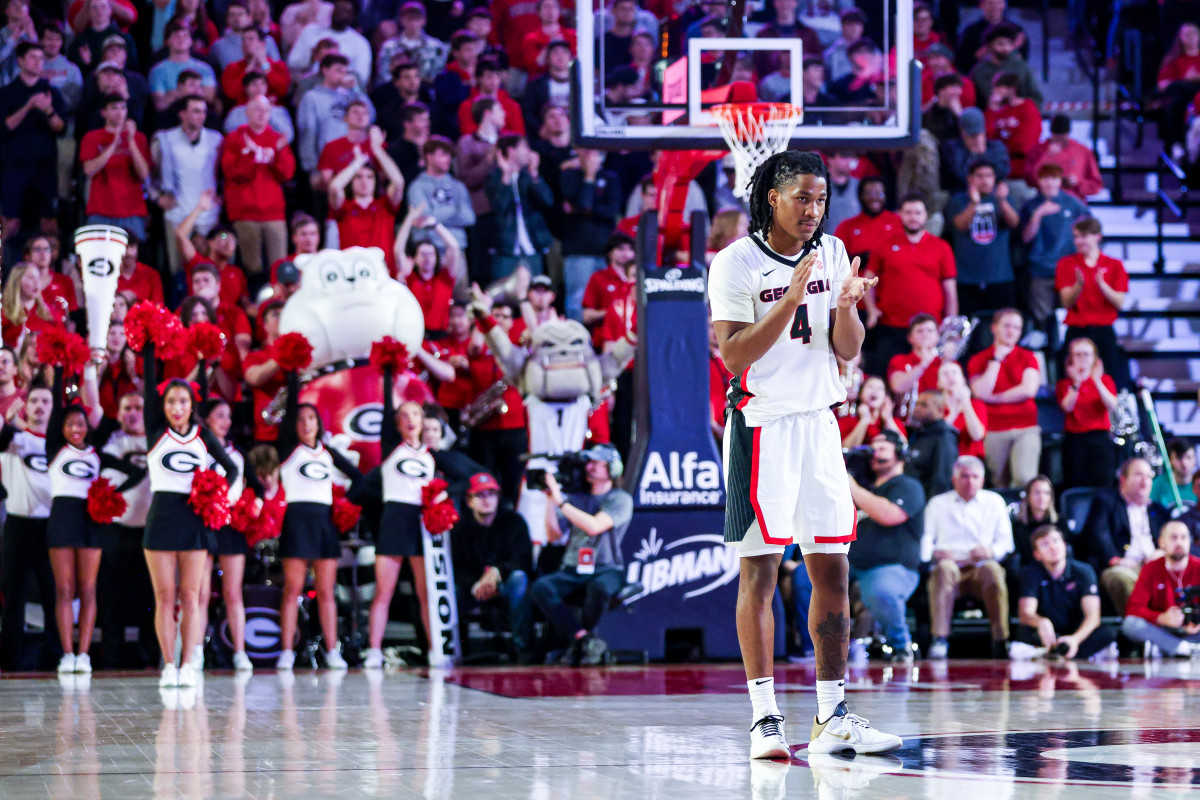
26,476
557,427
307,475
124,445
405,472
238,486
72,472
799,373
174,458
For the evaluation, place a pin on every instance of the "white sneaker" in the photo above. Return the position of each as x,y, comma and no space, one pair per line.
198,657
1020,651
83,664
67,663
286,660
767,779
1107,654
187,675
241,662
939,649
1151,651
334,660
170,677
767,740
846,731
373,659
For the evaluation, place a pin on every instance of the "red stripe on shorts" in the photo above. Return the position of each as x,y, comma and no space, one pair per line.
762,522
842,539
746,398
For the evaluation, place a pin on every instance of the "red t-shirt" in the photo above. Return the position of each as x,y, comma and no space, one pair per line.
370,226
910,277
484,373
928,79
847,424
60,286
233,281
514,120
460,391
1007,416
1182,68
279,80
620,321
966,445
718,385
116,190
114,384
905,362
145,282
435,296
12,332
863,233
535,41
1091,308
263,395
339,153
1089,413
603,288
1154,591
1019,127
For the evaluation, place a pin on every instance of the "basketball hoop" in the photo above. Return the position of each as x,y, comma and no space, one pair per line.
755,132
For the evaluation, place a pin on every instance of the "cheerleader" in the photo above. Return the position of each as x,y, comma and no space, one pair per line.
72,537
406,468
27,483
176,541
308,535
231,549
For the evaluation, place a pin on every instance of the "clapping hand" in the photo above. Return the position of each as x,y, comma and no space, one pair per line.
855,287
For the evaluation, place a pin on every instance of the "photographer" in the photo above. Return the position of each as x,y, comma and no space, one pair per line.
592,564
1153,613
1058,595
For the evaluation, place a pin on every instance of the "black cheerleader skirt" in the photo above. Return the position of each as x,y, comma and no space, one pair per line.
230,542
70,525
400,530
308,532
172,524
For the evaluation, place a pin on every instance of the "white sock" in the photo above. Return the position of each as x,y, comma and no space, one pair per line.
829,695
762,696
1184,649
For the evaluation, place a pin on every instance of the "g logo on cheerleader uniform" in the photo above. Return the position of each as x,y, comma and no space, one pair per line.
36,462
79,469
314,471
181,461
412,468
365,422
101,267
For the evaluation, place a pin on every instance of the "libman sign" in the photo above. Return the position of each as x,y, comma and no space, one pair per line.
692,565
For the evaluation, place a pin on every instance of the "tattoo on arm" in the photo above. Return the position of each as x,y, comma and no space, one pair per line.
831,640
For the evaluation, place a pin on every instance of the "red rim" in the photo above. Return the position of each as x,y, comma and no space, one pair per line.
729,111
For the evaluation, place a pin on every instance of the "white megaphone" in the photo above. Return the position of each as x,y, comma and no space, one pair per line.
101,249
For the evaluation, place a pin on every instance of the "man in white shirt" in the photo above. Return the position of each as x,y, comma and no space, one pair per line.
967,534
341,29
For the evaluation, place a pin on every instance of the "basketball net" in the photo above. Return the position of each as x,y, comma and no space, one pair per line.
754,133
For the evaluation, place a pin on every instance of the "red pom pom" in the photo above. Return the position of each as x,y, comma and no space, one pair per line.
244,512
58,348
388,352
169,335
345,514
138,322
440,517
210,498
269,522
206,341
104,502
433,492
292,352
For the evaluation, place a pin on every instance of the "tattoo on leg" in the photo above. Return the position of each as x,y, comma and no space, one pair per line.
832,639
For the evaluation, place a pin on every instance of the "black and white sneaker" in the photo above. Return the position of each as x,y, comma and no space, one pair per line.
767,740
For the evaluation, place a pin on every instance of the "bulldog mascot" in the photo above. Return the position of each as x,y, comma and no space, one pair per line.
346,301
561,379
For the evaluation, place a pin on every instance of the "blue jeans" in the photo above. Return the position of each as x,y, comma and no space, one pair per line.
512,596
134,226
1139,630
885,593
503,266
802,589
576,272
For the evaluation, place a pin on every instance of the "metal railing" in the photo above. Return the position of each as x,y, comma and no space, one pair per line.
1166,169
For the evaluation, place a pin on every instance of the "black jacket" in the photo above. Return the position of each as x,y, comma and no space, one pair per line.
1106,533
504,544
932,450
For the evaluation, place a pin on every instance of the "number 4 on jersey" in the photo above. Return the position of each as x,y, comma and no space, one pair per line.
800,326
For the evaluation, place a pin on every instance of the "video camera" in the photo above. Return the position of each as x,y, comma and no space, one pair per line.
858,464
1188,600
571,473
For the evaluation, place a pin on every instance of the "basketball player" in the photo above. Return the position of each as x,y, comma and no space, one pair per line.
783,305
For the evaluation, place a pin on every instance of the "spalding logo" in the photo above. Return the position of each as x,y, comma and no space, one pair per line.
181,461
364,422
36,462
101,267
79,469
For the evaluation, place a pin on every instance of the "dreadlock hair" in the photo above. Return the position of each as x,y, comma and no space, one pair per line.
779,171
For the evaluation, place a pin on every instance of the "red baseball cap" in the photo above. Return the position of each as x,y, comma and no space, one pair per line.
482,481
